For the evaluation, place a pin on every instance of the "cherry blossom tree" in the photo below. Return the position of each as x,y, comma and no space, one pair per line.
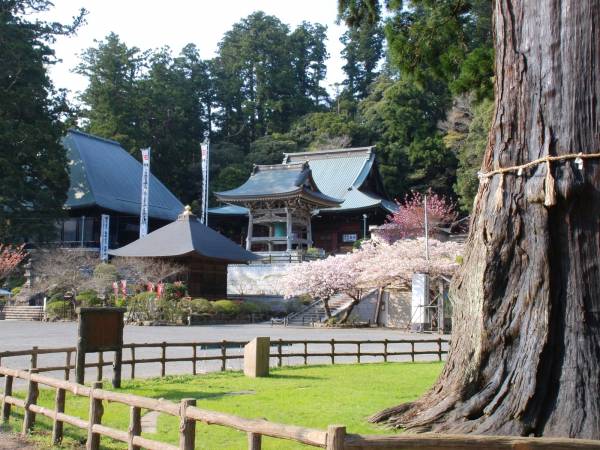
322,279
409,220
10,258
374,265
395,264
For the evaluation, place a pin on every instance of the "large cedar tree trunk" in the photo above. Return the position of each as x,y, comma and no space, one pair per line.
525,356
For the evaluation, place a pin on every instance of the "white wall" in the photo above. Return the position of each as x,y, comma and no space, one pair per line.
255,279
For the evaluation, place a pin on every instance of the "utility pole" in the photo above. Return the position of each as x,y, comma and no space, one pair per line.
426,228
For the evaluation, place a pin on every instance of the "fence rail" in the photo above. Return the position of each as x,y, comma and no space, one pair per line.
281,350
334,438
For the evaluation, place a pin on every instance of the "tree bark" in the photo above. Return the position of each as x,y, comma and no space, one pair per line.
327,308
525,355
346,314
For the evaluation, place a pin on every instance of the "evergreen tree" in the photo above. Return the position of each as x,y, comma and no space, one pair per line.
363,43
112,97
34,179
403,116
309,54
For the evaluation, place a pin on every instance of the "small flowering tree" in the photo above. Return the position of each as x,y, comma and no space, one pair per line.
10,258
409,220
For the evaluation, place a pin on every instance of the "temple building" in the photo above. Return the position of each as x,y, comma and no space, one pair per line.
204,253
281,199
350,176
106,179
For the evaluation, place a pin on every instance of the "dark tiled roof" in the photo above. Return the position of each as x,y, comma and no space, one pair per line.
186,236
279,181
103,174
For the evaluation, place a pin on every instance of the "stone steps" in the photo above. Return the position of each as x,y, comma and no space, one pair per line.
19,312
317,314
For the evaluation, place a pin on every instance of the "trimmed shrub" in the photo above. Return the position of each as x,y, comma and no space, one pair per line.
15,291
56,297
59,309
227,308
88,298
201,306
175,290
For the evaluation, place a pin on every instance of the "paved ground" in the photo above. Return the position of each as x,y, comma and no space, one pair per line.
24,335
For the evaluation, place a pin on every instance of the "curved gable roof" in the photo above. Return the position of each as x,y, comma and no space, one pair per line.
103,174
279,181
341,173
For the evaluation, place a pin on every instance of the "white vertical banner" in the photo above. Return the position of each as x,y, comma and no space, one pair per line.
205,149
104,236
145,191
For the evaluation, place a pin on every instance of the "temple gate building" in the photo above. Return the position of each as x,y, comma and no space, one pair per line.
281,199
350,176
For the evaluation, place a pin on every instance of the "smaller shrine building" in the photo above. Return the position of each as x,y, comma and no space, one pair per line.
280,201
204,253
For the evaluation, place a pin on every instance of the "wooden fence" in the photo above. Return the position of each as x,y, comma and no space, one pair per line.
281,350
334,438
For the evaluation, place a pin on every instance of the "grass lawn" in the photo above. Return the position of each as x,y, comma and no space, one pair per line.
311,396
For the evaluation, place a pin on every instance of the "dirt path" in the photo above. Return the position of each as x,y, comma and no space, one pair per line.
9,441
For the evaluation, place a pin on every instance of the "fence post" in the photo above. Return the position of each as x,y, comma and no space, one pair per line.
34,358
57,425
336,435
332,343
8,384
223,355
100,366
163,357
187,427
68,366
385,350
132,362
412,350
194,356
439,343
135,426
358,352
279,360
31,399
305,353
254,441
95,417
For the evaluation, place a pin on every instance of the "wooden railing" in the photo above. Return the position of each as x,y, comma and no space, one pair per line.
334,438
281,350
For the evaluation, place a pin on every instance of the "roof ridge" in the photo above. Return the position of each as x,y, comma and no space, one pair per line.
290,166
93,136
331,151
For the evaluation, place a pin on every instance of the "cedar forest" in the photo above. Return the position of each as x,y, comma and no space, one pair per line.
418,85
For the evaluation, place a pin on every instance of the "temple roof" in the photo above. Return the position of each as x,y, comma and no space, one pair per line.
350,174
279,181
103,174
184,237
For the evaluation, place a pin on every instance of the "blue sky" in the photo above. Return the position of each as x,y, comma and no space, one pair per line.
153,23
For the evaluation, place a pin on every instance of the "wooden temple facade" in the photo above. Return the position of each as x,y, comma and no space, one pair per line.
280,201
